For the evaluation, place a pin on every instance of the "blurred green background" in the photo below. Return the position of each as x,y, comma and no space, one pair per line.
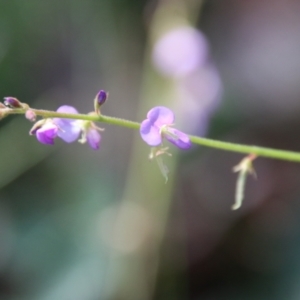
76,224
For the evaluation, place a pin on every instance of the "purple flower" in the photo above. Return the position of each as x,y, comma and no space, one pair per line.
46,133
68,130
93,137
158,126
90,134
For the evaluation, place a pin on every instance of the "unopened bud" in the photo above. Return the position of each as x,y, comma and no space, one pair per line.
2,105
12,102
30,115
100,100
101,97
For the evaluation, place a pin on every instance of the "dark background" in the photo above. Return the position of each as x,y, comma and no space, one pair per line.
79,224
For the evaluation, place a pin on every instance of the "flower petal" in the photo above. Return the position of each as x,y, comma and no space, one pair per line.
69,129
161,115
47,133
93,137
67,109
150,133
178,138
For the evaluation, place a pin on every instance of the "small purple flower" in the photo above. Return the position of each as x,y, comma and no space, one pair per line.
90,134
158,126
68,130
93,137
46,133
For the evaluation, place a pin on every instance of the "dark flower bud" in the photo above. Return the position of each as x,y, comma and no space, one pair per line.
101,97
100,100
12,102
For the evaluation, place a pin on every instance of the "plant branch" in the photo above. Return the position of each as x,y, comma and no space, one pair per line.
227,146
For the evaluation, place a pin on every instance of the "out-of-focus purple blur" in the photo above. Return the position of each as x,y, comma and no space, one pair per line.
182,55
180,51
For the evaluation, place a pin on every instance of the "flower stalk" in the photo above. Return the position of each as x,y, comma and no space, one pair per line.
227,146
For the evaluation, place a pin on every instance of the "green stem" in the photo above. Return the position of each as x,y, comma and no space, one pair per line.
89,117
259,151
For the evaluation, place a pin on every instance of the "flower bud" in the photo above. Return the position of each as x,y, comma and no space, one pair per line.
30,115
12,102
100,100
101,97
2,105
